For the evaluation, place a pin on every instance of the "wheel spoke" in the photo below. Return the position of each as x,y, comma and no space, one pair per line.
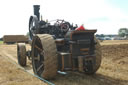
38,69
36,58
38,48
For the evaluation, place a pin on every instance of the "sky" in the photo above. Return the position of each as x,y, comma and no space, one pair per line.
107,16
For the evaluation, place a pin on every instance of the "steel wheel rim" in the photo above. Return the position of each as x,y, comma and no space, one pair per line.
38,58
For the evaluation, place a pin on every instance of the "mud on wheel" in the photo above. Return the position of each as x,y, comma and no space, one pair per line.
95,63
21,54
44,56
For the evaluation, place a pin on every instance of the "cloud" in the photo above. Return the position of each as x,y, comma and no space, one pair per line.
95,14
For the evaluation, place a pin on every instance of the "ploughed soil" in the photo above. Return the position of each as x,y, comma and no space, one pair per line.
113,70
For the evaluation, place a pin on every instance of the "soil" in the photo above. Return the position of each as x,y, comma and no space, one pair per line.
113,70
11,74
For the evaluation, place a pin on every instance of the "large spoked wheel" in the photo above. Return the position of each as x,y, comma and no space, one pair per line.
95,63
33,26
44,56
21,54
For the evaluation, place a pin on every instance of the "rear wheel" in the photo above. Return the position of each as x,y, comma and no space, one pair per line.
98,55
44,56
94,63
21,54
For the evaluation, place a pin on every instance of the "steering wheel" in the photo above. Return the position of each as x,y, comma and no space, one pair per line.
64,26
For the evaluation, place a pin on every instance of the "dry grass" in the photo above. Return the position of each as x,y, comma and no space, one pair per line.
113,70
114,42
10,74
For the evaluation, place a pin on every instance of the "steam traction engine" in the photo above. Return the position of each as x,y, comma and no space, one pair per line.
59,47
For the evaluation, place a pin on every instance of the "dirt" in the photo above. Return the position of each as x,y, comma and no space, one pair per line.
113,70
11,74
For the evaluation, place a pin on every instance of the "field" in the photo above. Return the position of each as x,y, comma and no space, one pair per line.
113,70
1,42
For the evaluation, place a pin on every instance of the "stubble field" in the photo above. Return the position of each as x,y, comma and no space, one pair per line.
113,70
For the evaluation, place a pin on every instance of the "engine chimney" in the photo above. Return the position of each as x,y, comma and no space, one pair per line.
36,11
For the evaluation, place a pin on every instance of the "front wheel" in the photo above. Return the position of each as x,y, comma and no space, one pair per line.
21,54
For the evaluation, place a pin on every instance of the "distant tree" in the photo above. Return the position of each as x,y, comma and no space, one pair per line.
97,35
27,34
1,39
123,32
109,35
102,35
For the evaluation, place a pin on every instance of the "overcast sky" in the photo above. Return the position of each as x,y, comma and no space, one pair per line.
107,16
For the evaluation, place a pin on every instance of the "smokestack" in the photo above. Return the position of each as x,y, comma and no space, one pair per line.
36,11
